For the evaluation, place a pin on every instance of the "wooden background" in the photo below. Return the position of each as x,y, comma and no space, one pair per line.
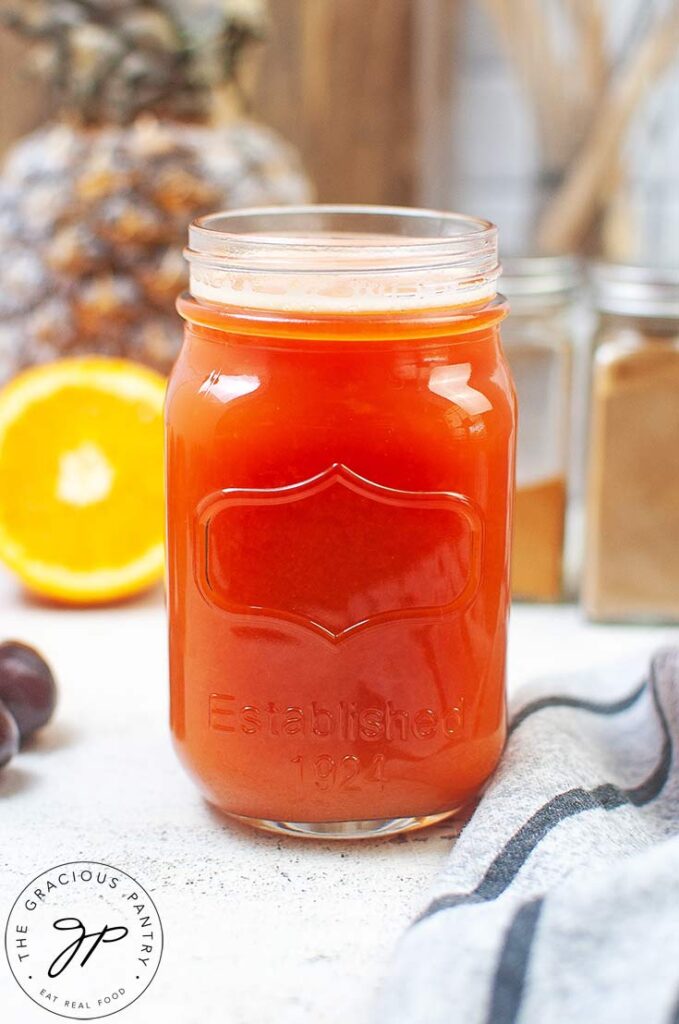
336,80
340,79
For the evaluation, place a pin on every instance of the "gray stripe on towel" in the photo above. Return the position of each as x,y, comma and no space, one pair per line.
475,954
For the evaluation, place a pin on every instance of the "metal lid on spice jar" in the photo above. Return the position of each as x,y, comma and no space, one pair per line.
635,291
531,281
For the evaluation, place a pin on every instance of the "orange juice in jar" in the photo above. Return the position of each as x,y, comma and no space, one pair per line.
340,446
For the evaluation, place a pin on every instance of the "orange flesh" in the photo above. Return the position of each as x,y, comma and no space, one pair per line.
338,646
81,485
80,528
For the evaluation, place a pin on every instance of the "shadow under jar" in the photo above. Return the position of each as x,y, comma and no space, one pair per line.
340,444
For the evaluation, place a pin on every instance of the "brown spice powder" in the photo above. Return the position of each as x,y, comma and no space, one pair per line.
537,554
632,562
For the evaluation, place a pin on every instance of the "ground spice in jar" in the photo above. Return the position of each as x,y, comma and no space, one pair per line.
538,342
632,558
537,559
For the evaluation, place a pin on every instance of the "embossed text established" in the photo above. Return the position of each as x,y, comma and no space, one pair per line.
344,720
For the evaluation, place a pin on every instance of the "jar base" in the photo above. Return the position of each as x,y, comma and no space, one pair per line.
372,828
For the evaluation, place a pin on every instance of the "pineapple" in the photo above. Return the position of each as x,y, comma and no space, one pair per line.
94,207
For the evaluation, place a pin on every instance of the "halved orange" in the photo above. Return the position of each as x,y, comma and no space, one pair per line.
81,479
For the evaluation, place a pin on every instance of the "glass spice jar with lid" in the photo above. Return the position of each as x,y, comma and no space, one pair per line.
632,549
538,341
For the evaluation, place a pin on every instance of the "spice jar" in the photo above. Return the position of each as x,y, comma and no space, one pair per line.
340,438
538,340
632,551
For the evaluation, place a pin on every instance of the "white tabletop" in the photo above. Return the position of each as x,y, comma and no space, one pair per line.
257,929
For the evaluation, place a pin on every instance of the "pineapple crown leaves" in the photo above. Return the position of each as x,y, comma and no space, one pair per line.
110,60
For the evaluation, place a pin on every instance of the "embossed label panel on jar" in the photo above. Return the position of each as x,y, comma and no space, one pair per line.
337,553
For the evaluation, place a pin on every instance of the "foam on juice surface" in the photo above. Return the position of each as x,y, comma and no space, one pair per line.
339,274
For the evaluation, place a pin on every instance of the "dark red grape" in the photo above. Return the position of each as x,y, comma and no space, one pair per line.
9,736
27,687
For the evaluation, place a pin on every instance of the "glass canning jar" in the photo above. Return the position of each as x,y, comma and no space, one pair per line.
538,341
632,550
340,443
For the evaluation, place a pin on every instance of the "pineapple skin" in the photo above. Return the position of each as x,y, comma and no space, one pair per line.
93,222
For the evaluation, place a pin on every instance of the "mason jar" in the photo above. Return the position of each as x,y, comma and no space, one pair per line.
632,551
539,342
340,442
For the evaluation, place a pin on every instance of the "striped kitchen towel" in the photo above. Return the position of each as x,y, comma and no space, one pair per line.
560,901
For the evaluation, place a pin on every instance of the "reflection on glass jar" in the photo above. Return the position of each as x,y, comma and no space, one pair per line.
538,342
632,557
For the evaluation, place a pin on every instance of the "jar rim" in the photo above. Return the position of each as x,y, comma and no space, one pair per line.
336,257
229,231
541,277
634,290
